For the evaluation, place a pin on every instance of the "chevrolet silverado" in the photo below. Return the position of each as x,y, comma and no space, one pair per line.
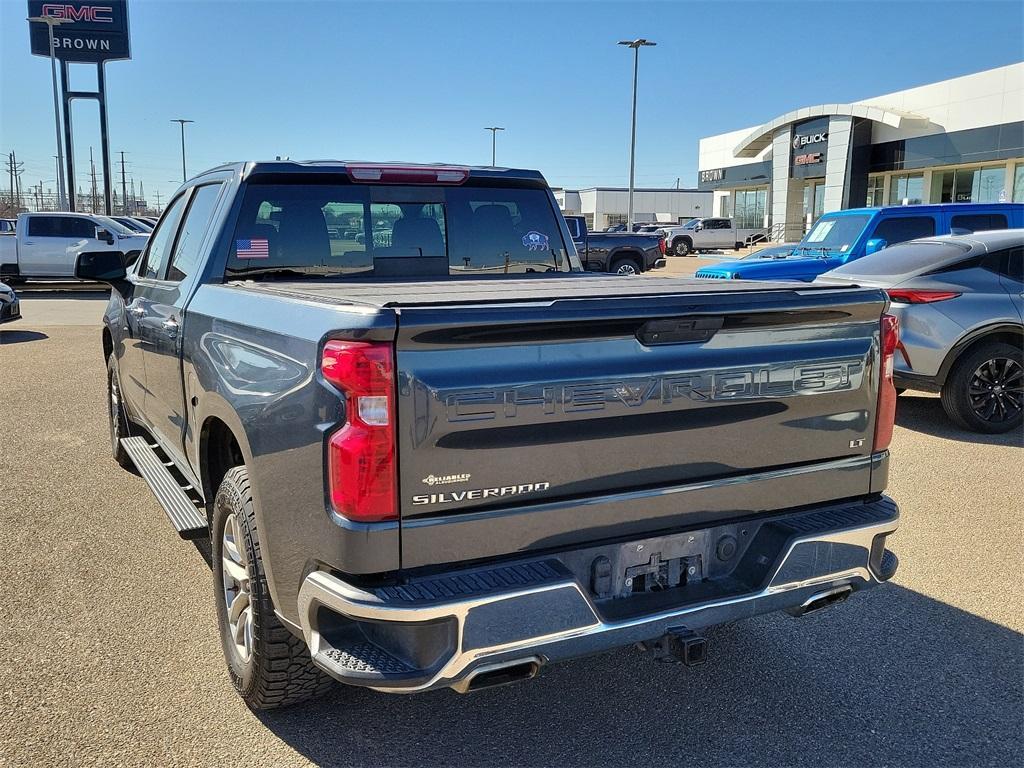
430,451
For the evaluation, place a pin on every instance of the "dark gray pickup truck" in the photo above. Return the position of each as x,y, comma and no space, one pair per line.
430,451
621,253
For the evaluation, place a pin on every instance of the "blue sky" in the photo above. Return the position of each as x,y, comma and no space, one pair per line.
419,81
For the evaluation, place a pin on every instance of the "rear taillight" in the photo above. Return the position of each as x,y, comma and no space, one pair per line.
904,296
407,174
361,454
885,415
661,246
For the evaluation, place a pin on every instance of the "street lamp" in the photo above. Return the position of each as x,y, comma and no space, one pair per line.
181,122
50,23
636,45
494,132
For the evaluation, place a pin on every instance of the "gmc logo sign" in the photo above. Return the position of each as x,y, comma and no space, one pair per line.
101,14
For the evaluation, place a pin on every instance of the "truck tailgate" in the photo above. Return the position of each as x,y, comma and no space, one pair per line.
583,419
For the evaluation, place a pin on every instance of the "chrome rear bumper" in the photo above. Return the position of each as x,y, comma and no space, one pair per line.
445,631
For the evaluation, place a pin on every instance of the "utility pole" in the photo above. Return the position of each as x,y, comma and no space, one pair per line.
135,204
124,188
494,132
636,45
92,174
158,201
10,173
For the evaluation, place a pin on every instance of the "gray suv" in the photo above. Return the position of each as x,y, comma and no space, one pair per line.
959,302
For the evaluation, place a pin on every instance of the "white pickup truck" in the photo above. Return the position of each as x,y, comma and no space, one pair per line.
46,245
710,234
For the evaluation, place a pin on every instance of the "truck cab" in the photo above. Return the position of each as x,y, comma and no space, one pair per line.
840,237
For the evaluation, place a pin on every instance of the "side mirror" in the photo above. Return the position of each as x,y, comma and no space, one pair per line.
698,227
105,235
874,245
101,266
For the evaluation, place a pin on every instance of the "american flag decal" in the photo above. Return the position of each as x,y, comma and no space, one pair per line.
256,248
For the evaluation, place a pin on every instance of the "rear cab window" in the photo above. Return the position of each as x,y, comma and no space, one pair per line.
354,231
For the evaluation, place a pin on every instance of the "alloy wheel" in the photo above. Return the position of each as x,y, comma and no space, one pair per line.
626,269
996,390
235,568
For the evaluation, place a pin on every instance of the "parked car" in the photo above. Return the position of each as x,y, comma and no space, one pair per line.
8,226
10,307
621,253
961,312
132,224
47,244
840,237
709,234
442,462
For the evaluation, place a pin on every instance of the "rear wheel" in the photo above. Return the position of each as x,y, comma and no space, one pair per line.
625,267
269,666
985,389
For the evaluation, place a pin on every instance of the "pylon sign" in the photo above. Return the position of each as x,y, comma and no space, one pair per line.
91,32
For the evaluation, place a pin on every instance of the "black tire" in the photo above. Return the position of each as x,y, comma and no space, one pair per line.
681,247
278,671
625,266
119,423
989,376
737,246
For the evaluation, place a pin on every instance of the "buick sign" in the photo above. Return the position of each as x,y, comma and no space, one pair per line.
810,138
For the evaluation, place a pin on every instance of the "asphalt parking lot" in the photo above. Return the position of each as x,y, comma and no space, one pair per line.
109,652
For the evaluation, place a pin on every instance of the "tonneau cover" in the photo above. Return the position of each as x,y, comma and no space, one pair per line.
408,293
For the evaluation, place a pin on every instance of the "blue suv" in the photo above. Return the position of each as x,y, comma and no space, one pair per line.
839,237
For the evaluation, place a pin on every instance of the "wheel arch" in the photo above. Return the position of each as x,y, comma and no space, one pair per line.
626,252
1009,332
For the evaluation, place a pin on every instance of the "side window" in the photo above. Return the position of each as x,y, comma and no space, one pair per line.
978,222
574,228
899,229
186,251
44,226
77,226
161,240
1008,263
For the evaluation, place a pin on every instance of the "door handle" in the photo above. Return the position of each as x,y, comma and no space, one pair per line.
170,328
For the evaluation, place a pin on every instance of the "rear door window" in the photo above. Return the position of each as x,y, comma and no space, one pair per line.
978,222
899,229
186,250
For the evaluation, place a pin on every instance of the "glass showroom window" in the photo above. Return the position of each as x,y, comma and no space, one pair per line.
876,190
1018,183
908,187
615,218
969,185
749,207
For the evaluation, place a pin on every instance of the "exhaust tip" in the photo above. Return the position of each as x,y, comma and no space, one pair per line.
822,600
505,673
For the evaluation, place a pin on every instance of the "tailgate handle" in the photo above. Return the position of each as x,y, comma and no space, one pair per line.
680,330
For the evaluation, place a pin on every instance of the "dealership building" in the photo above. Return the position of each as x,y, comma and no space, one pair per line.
606,206
959,140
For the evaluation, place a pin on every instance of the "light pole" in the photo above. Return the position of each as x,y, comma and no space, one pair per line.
181,122
635,45
494,132
50,23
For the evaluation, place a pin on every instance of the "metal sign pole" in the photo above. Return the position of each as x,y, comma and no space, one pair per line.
68,145
101,83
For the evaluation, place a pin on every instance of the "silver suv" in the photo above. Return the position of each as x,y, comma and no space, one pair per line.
961,311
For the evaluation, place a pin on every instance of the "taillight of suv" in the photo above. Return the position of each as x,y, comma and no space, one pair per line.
885,416
661,245
910,296
361,454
